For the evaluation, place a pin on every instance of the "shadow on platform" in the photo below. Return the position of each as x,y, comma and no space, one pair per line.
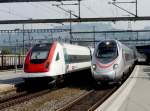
11,81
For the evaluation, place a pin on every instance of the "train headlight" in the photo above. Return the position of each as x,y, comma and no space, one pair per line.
115,66
94,66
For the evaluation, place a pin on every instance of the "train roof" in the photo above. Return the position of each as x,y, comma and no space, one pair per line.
59,43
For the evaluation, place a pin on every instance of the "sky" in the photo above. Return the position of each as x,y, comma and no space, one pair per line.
89,8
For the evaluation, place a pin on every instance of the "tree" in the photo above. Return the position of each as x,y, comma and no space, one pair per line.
6,51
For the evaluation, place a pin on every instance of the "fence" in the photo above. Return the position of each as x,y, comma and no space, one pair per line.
11,61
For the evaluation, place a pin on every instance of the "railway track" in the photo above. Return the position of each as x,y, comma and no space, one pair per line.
21,97
89,101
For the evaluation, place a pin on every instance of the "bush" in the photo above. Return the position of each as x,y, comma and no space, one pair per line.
6,51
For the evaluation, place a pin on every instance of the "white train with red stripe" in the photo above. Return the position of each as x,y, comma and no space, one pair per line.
51,61
111,61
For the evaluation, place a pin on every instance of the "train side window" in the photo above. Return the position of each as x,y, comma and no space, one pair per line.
57,57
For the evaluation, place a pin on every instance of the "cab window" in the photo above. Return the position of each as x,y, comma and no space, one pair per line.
57,57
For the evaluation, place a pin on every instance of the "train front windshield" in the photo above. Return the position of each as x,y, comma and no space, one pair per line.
40,53
107,51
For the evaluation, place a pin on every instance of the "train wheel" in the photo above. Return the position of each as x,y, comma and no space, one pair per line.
130,69
27,81
60,81
95,84
28,84
20,87
122,79
104,83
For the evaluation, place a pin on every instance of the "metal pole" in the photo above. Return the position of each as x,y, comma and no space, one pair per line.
105,35
16,58
52,36
23,40
115,4
79,9
137,37
136,9
70,29
29,44
114,35
9,35
94,35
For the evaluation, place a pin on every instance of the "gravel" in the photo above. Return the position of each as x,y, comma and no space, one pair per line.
49,102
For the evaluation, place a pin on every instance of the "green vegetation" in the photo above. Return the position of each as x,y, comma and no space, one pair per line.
6,51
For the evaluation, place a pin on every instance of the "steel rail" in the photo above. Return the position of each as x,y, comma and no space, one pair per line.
89,101
20,98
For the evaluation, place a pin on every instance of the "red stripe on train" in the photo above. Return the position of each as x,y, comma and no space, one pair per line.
105,65
51,54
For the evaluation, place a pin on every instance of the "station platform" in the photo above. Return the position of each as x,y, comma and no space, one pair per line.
8,79
133,95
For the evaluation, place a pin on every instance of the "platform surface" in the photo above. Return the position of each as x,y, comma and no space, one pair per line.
139,97
133,95
8,79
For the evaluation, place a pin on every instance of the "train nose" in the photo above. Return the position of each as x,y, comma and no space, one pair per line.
104,74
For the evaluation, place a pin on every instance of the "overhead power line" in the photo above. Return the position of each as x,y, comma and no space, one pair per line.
90,9
10,1
48,9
